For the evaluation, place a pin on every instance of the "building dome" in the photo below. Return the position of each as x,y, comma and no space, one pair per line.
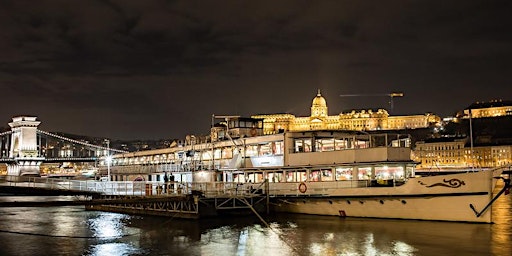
319,101
319,106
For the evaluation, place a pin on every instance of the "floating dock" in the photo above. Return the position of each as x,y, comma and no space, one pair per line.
178,200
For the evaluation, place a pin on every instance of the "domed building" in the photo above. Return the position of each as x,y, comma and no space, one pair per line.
319,106
358,120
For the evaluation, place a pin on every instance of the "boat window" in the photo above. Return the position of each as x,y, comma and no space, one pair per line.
266,149
409,172
362,144
321,175
299,146
251,150
327,175
340,144
296,176
227,152
275,177
364,173
389,172
216,153
343,173
324,145
302,145
314,175
255,177
238,177
277,147
301,176
308,145
279,177
290,176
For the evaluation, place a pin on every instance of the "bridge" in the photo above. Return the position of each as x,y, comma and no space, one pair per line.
24,148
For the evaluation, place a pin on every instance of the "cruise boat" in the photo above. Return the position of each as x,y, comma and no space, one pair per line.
328,172
355,174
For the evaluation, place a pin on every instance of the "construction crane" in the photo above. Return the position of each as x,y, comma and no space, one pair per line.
390,95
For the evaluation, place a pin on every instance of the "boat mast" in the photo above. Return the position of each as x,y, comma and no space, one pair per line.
226,118
471,141
212,130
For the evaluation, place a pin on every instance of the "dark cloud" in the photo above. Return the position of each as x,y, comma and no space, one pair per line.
160,69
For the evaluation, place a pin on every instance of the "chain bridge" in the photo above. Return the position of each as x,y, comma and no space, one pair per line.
24,148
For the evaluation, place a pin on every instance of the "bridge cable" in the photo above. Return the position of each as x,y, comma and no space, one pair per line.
80,142
5,133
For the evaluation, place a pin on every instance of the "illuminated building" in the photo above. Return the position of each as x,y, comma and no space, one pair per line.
454,153
440,153
491,137
358,120
493,108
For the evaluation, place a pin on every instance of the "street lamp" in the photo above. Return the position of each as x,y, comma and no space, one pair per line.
108,159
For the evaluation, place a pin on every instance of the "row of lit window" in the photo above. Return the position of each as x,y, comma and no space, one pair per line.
339,173
271,148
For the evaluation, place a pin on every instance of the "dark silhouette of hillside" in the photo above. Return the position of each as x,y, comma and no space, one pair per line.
486,131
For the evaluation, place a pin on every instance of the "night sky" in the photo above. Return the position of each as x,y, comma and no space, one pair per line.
159,69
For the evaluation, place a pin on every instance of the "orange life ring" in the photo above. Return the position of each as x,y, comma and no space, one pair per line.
302,187
253,132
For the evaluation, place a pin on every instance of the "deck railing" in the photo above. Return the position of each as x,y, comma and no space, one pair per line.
135,188
206,189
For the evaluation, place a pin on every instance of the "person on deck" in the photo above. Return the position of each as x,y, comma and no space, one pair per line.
172,182
166,181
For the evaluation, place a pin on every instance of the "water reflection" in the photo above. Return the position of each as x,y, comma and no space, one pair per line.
73,231
502,229
316,235
107,225
113,249
113,234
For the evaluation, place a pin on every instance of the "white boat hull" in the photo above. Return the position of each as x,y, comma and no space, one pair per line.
443,198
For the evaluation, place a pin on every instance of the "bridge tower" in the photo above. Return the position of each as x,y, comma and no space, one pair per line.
24,148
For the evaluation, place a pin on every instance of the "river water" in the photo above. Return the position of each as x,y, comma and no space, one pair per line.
74,231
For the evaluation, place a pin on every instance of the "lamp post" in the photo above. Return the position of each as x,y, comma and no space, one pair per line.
108,159
471,140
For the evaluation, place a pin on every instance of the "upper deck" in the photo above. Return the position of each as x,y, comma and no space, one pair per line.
315,148
277,150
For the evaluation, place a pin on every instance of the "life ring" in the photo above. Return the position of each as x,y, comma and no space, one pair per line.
253,132
302,187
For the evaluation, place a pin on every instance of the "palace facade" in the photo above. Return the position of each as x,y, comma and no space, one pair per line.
356,120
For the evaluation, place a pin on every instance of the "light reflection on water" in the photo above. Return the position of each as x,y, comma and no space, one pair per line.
108,228
113,249
107,225
74,231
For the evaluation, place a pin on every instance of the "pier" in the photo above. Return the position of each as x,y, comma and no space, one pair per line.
172,199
